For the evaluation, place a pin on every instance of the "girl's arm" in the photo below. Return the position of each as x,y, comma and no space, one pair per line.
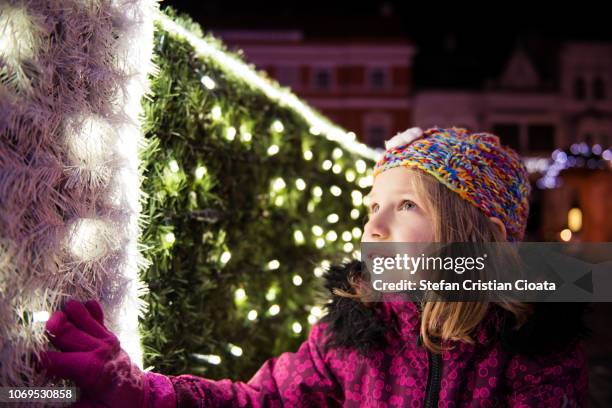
291,379
554,380
91,356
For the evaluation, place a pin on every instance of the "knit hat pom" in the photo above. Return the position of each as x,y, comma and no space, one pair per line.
404,138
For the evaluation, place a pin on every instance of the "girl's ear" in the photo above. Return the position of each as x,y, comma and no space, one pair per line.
500,226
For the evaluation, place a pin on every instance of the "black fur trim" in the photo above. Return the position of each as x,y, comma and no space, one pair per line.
351,323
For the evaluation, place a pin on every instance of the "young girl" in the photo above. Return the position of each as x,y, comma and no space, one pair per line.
441,185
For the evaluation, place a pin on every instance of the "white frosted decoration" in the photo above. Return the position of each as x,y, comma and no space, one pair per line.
89,239
16,34
89,139
404,138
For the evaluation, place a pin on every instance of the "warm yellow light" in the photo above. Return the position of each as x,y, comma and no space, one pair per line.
574,219
565,235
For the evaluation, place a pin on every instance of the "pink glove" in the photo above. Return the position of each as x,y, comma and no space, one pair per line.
92,357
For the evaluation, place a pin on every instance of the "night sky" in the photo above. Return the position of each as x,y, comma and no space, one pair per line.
457,48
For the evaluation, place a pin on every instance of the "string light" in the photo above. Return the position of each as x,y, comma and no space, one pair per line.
354,213
335,190
274,310
327,164
360,165
348,247
278,126
225,257
279,184
337,153
333,218
200,172
357,232
315,131
235,350
173,166
320,243
347,236
318,272
40,316
357,198
297,280
216,112
169,238
298,236
279,201
336,169
208,82
296,327
317,191
331,236
209,358
252,315
271,294
350,176
273,265
230,133
246,136
566,235
272,150
240,295
317,230
307,155
300,184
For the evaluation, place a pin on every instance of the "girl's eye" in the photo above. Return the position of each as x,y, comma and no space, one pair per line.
407,205
373,208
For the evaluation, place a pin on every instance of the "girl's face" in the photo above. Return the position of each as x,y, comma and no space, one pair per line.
395,212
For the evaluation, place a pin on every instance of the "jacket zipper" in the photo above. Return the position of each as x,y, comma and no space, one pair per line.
432,391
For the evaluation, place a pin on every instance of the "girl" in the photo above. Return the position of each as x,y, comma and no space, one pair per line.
441,185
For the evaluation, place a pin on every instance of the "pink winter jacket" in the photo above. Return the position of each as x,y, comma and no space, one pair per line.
363,357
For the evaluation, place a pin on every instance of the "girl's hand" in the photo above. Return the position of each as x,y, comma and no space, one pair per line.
91,356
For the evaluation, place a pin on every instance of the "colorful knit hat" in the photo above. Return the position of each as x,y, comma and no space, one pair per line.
474,165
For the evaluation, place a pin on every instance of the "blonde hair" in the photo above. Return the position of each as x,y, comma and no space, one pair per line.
454,220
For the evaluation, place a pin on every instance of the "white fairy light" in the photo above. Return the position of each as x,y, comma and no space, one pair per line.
350,176
336,169
216,112
278,126
307,155
333,218
320,243
235,350
300,184
318,272
316,311
273,149
357,198
310,207
327,164
317,230
200,172
357,232
312,319
296,327
208,82
279,184
246,136
169,238
317,191
354,213
298,236
347,236
252,315
209,358
271,294
348,247
240,295
225,257
337,153
279,201
173,166
274,310
230,133
331,236
273,264
315,131
297,280
335,190
360,165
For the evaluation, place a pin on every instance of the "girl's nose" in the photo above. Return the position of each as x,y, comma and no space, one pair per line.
376,229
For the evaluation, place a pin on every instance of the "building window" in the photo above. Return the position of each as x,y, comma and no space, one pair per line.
509,135
376,136
541,138
599,89
378,78
322,78
579,89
